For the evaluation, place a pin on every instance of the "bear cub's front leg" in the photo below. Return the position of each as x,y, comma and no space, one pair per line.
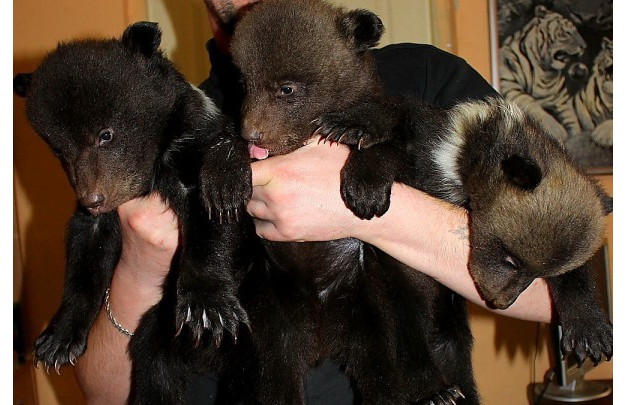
587,330
374,161
207,301
362,124
226,178
93,249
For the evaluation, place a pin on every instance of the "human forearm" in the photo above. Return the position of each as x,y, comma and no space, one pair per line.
296,198
104,370
434,239
149,240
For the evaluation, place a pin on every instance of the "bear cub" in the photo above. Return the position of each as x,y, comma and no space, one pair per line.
345,300
125,123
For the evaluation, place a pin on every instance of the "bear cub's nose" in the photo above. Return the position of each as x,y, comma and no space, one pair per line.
92,201
252,135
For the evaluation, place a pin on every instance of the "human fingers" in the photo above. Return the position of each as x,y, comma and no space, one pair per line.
313,153
258,209
263,228
268,230
149,220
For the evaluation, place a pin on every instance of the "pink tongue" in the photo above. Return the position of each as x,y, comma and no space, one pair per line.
257,153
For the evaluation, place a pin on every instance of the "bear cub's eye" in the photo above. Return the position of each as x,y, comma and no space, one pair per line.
57,152
105,136
286,90
511,262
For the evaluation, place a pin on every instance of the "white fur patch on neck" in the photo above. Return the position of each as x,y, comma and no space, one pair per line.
209,106
446,152
211,113
511,113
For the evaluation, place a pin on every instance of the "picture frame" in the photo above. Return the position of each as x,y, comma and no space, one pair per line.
555,58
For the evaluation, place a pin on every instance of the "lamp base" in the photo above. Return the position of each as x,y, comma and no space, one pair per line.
578,390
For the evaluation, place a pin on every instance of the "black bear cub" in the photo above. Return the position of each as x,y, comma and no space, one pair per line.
125,123
307,70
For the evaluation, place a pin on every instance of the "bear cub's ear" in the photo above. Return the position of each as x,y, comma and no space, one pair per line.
605,199
522,172
607,204
21,82
143,37
363,27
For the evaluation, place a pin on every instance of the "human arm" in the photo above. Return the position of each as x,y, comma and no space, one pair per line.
296,198
150,237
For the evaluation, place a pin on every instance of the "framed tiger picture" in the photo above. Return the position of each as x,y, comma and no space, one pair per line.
555,57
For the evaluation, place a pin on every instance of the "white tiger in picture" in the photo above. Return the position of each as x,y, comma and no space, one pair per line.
594,103
533,63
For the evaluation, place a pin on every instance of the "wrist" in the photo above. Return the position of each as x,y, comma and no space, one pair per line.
131,295
111,317
423,232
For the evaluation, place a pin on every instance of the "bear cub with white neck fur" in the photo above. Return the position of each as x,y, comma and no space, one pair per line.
125,123
534,212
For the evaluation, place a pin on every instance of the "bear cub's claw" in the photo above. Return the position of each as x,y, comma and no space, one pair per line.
591,338
209,313
450,396
333,129
58,346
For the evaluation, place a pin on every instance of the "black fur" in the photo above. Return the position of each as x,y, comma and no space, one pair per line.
347,301
124,123
522,172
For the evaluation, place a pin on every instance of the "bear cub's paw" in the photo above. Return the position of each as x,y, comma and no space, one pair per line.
366,198
226,181
588,336
365,187
210,312
59,345
450,396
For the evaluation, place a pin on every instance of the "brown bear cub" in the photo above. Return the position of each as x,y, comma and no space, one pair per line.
345,300
398,335
124,123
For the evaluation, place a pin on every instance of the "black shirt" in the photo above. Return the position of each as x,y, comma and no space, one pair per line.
430,74
420,71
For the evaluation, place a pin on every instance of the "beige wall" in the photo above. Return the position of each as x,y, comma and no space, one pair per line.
185,30
405,20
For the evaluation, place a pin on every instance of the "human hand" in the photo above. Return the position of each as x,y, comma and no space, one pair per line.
149,237
296,196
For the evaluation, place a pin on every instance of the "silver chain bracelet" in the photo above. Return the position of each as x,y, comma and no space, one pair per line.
107,307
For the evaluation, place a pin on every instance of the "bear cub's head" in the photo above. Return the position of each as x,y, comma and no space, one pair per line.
102,106
315,61
535,213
